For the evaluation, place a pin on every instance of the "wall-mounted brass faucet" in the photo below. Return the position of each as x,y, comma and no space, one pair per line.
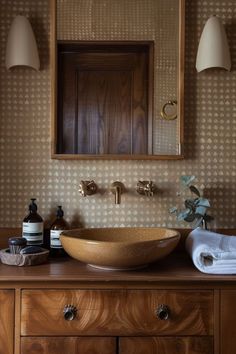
87,188
147,188
117,188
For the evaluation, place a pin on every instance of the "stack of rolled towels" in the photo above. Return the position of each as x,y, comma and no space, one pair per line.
211,252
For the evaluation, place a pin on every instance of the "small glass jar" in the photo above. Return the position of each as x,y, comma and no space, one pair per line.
16,244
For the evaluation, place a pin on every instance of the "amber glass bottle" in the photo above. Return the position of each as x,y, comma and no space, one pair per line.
32,228
59,225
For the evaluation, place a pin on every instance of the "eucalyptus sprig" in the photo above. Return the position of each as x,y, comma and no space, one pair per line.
196,208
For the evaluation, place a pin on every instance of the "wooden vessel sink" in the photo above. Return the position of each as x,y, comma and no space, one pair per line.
119,248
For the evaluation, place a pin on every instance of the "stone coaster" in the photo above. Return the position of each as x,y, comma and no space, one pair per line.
23,259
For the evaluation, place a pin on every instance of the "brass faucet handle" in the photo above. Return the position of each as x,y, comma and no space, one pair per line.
87,188
147,188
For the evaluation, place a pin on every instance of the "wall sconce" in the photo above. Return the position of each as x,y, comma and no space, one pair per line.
21,47
213,49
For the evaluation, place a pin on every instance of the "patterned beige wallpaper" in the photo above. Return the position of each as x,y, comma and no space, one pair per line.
26,169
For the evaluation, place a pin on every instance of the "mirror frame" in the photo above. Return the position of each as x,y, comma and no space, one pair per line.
180,97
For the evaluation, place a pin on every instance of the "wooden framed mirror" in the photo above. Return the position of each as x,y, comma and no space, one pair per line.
117,79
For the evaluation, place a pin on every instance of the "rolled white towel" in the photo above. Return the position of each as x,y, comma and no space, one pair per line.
211,252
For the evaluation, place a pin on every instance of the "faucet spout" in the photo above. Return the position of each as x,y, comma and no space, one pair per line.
117,188
117,195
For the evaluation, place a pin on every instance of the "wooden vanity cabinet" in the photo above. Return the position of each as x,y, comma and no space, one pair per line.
117,320
6,321
117,312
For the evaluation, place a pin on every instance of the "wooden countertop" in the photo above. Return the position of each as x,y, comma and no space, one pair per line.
176,268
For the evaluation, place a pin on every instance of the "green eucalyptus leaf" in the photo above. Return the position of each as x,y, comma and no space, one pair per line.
203,202
200,210
199,215
196,202
173,210
195,208
189,203
194,190
183,214
190,217
186,180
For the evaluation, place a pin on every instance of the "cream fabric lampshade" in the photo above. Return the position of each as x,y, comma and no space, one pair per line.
21,45
213,49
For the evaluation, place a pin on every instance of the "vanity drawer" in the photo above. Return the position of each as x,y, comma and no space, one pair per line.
117,312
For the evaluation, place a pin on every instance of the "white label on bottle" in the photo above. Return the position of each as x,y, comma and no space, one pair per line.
33,232
55,239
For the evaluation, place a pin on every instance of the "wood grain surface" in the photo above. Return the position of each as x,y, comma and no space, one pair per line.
175,270
160,345
116,312
91,345
103,98
6,321
228,321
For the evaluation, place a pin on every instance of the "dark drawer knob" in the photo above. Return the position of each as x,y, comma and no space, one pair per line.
69,312
163,312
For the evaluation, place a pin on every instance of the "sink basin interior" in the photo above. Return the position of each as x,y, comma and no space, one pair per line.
119,248
124,234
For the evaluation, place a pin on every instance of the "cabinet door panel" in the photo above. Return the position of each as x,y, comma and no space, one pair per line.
228,321
6,321
103,95
160,345
72,345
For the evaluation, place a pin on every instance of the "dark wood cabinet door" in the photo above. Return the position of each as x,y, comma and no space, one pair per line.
103,99
228,321
70,345
166,345
6,321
